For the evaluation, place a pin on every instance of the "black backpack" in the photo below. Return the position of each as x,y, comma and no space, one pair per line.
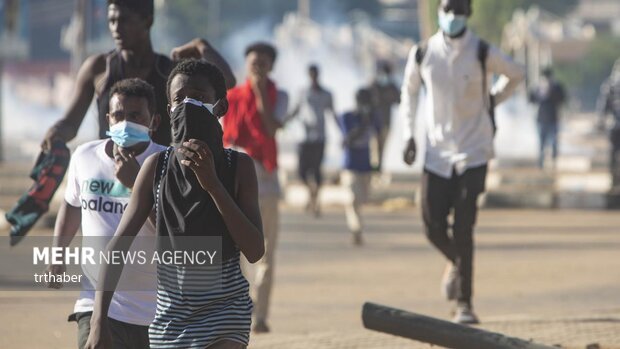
483,52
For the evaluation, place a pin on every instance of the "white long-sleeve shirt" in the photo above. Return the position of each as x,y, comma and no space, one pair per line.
458,127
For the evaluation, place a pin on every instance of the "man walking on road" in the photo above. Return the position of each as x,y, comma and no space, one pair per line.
313,102
257,110
549,95
454,67
384,95
609,104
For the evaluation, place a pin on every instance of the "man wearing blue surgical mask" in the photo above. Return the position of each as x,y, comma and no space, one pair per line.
100,180
456,68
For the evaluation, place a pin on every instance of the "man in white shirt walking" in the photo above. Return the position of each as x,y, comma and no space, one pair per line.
310,109
455,67
100,179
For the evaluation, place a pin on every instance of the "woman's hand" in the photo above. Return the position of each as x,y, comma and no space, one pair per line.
200,159
99,336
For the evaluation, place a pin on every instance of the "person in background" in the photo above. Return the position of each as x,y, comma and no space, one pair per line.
257,110
549,95
130,23
385,94
313,102
609,104
357,128
454,66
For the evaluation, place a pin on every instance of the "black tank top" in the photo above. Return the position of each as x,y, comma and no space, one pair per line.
157,78
217,227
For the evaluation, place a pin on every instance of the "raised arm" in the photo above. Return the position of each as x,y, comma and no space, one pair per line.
200,48
512,74
137,212
272,115
410,91
66,128
242,217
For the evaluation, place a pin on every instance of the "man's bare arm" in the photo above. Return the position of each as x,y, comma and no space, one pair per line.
67,225
265,108
200,48
66,128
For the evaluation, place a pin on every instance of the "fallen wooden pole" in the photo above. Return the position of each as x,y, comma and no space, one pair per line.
438,332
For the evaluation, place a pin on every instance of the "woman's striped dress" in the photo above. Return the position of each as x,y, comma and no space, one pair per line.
200,305
196,319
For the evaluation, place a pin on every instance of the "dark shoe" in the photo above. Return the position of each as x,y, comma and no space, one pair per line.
261,327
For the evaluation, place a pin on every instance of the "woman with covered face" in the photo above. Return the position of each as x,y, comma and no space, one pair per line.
198,189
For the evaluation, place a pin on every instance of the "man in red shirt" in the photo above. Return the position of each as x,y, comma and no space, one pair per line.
257,109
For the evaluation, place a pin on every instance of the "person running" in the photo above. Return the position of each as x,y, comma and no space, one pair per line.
114,164
453,65
357,129
130,23
385,94
313,102
549,95
198,189
609,104
257,110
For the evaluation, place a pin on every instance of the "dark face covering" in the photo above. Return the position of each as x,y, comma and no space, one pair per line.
191,119
185,208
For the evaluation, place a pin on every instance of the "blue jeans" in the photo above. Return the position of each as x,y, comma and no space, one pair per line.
548,136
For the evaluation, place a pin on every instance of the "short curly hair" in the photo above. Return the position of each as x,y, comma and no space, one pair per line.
145,8
191,67
135,87
263,47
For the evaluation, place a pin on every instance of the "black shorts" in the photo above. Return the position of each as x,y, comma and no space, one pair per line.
124,335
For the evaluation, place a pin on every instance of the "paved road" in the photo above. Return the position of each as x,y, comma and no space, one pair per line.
553,276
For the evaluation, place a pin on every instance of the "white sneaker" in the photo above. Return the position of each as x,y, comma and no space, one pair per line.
465,315
450,282
5,226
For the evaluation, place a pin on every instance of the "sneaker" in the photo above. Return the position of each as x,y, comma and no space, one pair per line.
450,282
260,327
465,315
5,226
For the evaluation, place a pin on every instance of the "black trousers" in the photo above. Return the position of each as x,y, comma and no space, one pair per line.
614,161
457,195
124,335
310,159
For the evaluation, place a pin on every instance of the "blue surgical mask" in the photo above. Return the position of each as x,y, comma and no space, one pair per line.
126,134
451,24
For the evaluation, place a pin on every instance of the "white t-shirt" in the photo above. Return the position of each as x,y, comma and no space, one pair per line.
312,106
92,185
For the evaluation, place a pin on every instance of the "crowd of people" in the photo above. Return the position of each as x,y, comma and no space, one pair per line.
191,152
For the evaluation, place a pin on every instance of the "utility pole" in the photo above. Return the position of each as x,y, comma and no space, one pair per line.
213,26
78,53
11,14
303,9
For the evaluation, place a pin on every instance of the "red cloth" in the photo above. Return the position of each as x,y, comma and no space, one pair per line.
244,128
